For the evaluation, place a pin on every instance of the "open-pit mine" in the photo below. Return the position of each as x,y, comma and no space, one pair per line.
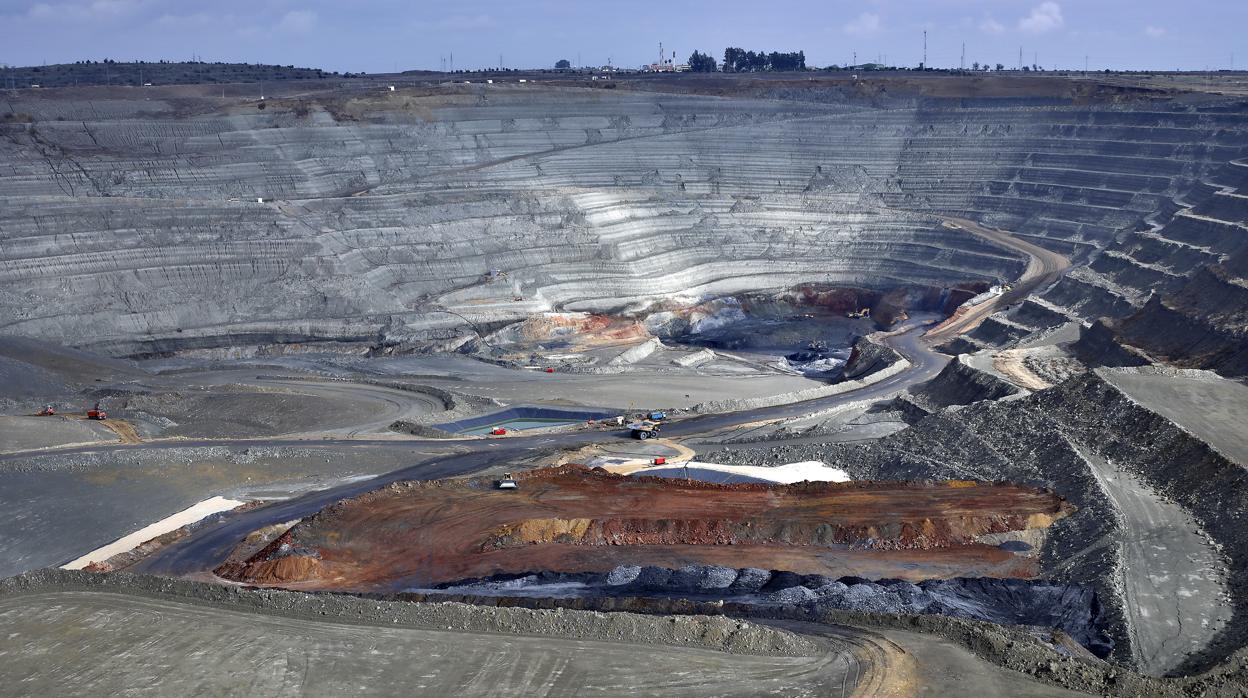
886,383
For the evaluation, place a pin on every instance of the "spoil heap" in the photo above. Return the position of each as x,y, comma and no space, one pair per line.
573,519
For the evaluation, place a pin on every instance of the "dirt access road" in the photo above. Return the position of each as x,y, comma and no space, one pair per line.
1043,267
1172,581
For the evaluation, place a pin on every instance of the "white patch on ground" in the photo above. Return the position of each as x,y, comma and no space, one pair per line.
787,474
185,517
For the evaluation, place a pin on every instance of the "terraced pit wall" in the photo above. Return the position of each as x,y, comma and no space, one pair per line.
132,226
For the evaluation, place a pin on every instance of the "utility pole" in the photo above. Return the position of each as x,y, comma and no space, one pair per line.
452,61
924,66
1085,65
1020,57
962,63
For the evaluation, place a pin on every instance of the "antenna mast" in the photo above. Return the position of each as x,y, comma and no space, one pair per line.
924,66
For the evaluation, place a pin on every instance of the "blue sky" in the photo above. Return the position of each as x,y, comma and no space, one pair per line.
381,35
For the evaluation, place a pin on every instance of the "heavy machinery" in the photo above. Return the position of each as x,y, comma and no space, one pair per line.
96,412
47,411
507,483
865,312
645,429
498,431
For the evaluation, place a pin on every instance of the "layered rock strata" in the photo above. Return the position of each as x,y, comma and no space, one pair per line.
134,225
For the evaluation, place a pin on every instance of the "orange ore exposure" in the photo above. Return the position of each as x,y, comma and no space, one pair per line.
575,519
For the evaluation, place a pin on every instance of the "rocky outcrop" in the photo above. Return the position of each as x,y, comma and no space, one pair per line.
960,384
1205,325
1098,346
869,356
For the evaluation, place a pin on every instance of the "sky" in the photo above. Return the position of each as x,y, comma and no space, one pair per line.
387,35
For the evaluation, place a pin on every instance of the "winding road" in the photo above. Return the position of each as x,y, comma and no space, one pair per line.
1043,267
208,546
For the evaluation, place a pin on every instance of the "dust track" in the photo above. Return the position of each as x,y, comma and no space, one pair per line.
1043,267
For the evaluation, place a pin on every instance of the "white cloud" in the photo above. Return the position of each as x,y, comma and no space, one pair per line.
82,11
1154,32
989,25
865,24
1044,17
297,22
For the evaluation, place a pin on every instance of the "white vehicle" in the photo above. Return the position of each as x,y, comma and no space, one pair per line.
507,483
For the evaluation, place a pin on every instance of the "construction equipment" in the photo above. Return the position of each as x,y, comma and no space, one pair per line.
96,412
47,411
498,431
657,416
645,429
507,483
853,314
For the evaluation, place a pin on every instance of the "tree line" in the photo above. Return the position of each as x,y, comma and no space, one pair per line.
741,61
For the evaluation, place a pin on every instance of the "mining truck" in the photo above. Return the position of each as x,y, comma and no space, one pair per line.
47,411
645,429
507,483
96,412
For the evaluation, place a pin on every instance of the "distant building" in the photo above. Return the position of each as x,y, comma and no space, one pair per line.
664,64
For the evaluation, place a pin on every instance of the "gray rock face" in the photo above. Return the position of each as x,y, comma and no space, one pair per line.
751,579
134,226
703,577
624,574
793,595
